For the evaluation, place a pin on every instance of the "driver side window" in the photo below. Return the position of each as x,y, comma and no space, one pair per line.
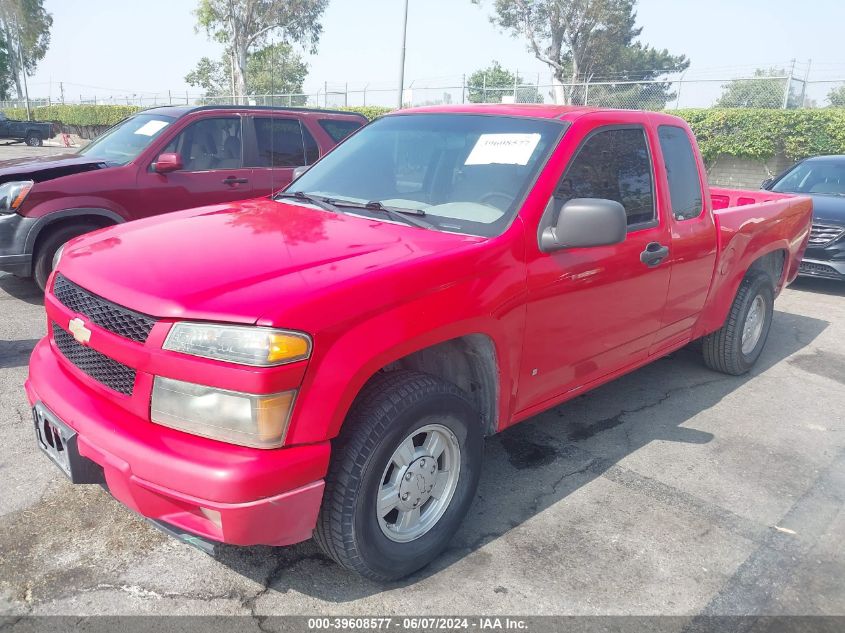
208,144
613,164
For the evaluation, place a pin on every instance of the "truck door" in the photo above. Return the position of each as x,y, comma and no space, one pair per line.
212,168
693,236
278,145
594,311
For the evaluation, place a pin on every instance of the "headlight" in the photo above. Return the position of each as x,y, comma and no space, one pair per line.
245,345
57,257
12,195
247,419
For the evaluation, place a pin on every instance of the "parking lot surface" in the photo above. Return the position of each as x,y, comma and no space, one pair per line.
673,490
17,150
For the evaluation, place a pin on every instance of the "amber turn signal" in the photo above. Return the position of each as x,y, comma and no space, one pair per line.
287,347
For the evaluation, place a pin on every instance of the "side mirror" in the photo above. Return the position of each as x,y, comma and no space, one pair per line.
168,162
768,182
585,222
298,171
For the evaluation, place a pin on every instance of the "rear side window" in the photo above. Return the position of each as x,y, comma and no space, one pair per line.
279,142
613,164
338,129
682,172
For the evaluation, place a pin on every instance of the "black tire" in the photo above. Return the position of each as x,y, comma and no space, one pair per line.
47,246
723,348
391,407
33,139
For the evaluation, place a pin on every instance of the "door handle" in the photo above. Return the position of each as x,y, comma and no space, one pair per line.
653,254
233,180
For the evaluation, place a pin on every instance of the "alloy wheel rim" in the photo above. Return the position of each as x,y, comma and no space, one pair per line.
752,329
418,483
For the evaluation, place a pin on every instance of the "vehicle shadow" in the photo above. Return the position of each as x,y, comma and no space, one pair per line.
23,289
819,286
542,461
16,353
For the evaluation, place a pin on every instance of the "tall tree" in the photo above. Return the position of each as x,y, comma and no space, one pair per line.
584,40
243,24
491,83
26,31
274,69
836,97
6,79
765,90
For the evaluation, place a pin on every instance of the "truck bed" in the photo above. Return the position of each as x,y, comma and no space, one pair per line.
751,225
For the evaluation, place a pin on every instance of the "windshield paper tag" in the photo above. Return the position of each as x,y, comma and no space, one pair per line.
503,149
151,127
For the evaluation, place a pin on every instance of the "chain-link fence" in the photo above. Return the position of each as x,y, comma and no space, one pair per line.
776,91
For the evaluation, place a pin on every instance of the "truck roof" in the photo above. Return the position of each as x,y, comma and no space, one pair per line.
178,111
538,111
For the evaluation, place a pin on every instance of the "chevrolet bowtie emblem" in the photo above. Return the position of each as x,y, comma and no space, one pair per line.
80,332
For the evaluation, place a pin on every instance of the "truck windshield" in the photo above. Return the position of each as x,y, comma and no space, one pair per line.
126,140
464,173
816,176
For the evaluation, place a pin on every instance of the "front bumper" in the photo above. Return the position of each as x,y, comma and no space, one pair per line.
219,491
823,269
15,257
827,262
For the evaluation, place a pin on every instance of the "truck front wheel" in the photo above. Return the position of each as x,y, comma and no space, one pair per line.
403,475
734,348
33,139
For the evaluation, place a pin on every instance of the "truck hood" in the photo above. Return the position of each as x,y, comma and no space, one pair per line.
42,168
243,261
830,209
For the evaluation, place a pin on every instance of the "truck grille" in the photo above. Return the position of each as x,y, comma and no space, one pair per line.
105,370
110,316
824,234
818,270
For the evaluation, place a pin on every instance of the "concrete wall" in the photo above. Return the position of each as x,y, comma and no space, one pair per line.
744,173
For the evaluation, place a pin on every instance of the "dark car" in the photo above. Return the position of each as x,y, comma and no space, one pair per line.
32,133
823,178
159,160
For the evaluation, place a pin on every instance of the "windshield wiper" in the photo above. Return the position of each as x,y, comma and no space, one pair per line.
408,216
323,203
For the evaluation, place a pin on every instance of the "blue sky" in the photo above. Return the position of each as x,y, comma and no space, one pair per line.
108,46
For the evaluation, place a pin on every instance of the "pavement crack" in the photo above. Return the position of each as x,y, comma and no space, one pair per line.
531,510
147,593
282,565
585,432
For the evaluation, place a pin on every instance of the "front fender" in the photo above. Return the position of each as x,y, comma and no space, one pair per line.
43,221
336,376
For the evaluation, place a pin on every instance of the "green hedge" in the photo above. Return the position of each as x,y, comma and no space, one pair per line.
83,115
108,115
740,132
763,134
371,112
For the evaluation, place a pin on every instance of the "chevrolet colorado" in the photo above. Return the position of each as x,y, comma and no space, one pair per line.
329,361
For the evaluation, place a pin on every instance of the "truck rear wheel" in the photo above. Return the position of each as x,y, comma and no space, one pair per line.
403,475
735,347
45,249
33,139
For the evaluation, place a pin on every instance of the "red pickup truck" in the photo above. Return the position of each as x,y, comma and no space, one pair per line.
330,360
159,160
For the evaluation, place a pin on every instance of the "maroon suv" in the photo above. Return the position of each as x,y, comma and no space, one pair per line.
159,160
